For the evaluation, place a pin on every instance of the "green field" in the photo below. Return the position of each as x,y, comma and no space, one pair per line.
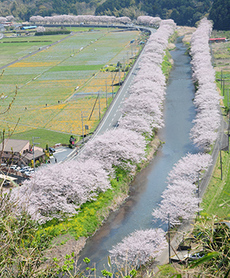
216,200
13,48
62,80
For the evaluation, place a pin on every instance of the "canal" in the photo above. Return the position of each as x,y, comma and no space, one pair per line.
146,189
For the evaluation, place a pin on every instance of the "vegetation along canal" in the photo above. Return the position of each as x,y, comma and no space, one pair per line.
146,189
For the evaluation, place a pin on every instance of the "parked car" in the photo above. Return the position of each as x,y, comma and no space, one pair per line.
51,150
27,168
195,256
24,169
28,173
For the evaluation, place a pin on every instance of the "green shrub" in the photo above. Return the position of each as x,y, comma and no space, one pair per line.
57,32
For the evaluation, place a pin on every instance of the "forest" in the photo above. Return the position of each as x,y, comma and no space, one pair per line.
183,12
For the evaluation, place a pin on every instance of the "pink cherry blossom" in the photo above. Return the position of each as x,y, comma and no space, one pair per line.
179,199
139,247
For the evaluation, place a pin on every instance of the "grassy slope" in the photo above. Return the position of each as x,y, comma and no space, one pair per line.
217,197
216,200
46,137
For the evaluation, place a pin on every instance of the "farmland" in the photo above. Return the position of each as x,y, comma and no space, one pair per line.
63,81
220,187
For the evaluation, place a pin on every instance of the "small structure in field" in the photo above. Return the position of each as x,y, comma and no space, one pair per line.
212,40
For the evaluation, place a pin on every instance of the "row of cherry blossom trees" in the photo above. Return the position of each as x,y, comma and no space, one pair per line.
62,188
180,199
142,110
77,19
148,20
6,19
142,113
207,121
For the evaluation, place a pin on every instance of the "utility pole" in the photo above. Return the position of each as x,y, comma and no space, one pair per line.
221,80
221,166
228,120
33,149
169,243
198,192
112,83
119,76
82,127
223,86
99,105
124,66
106,94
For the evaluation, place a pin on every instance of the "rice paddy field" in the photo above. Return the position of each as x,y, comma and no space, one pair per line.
62,81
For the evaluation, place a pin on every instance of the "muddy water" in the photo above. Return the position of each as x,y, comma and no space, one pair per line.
146,189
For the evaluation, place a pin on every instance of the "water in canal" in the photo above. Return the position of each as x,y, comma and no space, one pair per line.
148,186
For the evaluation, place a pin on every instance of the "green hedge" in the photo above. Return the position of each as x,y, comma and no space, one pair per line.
58,32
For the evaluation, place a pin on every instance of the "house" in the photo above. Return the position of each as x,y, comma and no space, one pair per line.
19,152
28,27
212,40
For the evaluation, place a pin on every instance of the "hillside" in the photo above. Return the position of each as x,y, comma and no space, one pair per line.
220,14
183,12
24,9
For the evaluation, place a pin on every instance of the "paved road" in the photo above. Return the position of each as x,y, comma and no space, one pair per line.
61,154
113,113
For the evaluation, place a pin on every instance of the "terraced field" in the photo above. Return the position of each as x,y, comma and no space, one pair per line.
57,84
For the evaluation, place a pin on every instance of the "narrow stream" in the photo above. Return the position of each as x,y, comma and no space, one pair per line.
146,189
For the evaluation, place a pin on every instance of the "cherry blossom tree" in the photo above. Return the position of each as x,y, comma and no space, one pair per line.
41,29
2,19
61,188
36,19
179,199
118,147
124,20
139,247
207,121
148,20
136,123
189,166
9,18
143,102
144,106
